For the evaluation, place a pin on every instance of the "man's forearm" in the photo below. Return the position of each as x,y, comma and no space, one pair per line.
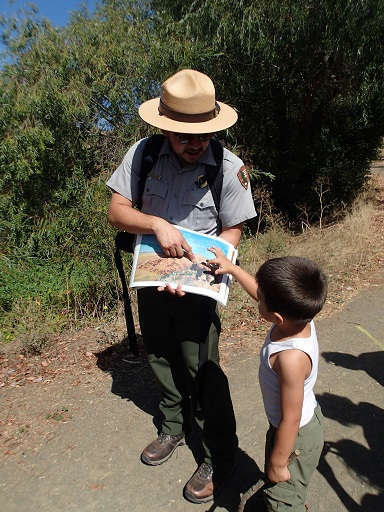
133,221
122,215
232,234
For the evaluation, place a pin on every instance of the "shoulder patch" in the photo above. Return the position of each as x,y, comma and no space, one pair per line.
243,177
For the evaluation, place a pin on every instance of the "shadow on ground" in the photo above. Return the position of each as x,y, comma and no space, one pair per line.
247,473
370,362
366,463
132,377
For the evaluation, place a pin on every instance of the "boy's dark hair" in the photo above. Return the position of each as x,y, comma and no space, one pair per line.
292,286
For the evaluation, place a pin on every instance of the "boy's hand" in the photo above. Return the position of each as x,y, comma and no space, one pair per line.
278,474
225,266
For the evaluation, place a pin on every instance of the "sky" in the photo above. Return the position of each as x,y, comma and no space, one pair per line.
57,11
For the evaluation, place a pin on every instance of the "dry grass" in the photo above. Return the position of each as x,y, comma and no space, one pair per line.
348,251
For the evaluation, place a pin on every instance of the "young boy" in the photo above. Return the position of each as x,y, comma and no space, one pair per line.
289,291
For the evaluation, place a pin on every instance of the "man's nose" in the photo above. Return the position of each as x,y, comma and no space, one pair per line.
195,143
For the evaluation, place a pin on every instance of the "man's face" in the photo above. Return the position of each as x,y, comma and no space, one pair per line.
191,151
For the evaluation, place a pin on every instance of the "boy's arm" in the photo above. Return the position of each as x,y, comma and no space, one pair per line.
247,281
292,367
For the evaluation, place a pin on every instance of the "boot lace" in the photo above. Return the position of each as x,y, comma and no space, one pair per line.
205,470
162,438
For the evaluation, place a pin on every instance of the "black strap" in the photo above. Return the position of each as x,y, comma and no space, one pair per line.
132,340
149,158
215,173
124,241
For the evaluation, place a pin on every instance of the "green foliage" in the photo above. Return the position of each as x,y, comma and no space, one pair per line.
305,76
69,112
64,271
70,98
61,414
307,79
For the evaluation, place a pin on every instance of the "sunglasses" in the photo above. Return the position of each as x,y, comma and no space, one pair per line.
187,138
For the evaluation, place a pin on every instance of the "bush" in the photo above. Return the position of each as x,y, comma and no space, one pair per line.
308,81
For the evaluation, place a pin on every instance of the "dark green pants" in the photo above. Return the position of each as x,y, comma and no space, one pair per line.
181,336
290,496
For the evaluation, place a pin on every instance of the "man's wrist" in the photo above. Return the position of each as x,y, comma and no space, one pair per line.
157,225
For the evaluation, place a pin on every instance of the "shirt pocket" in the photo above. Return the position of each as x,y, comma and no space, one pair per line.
201,204
199,199
155,191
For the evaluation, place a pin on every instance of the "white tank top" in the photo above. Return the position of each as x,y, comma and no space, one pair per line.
269,380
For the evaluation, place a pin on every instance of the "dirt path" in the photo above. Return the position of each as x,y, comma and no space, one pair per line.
72,443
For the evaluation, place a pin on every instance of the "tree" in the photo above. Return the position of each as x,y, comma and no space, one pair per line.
70,101
69,111
307,79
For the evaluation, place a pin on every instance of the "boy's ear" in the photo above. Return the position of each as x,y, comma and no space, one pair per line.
279,320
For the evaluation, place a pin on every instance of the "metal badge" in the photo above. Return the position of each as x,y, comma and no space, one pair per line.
202,181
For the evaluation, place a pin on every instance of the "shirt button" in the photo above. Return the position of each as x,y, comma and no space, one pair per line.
174,195
201,204
170,218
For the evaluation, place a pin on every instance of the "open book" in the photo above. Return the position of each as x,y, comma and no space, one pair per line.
151,267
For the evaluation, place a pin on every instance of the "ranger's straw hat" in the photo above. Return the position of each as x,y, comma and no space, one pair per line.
187,105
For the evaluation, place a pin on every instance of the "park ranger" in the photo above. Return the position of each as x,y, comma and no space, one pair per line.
181,331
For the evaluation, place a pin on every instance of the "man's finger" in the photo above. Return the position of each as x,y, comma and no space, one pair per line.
188,253
173,291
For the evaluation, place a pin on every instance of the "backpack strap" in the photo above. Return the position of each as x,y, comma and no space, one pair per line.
124,241
149,158
215,172
130,324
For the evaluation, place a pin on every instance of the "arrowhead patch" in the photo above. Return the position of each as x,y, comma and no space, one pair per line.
243,177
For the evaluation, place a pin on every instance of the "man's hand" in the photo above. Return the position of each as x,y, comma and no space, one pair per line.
122,215
172,241
173,291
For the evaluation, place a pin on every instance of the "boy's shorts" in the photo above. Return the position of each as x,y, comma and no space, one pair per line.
291,495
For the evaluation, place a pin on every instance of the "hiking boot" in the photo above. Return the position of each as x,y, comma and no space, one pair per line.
161,449
206,483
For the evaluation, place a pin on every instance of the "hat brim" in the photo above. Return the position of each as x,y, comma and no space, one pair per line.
149,112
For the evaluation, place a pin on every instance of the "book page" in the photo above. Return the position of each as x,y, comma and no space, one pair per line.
152,268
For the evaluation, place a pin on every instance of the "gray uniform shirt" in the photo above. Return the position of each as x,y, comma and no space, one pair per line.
173,192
